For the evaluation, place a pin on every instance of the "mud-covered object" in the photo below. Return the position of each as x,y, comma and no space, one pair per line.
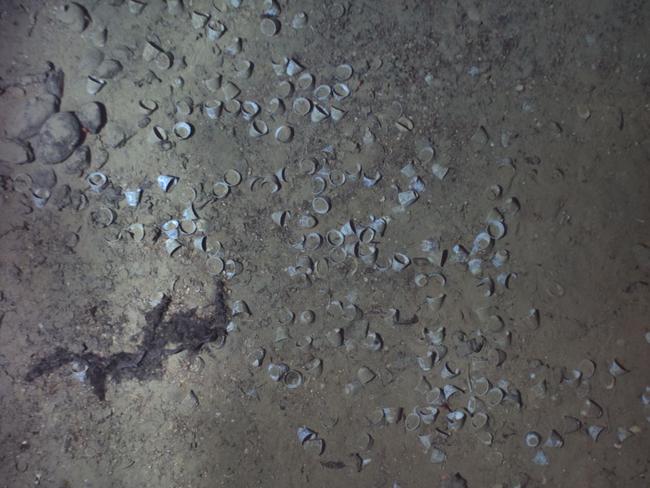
78,162
73,15
54,82
182,331
114,135
44,178
454,481
91,116
58,138
99,157
61,197
31,115
108,69
90,60
15,152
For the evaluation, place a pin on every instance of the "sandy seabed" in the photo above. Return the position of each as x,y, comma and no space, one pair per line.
425,224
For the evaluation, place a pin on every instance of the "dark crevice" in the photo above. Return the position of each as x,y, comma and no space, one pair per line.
182,331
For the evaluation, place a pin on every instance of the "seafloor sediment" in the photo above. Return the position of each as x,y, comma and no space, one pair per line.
359,243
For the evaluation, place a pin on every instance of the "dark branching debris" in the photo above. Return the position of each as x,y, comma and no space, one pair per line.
184,330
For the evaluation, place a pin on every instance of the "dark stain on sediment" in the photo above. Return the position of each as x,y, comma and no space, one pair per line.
183,329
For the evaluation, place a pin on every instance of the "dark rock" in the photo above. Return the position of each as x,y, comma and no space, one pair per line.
92,116
58,138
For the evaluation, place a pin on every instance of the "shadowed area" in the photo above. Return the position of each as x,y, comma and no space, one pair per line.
183,331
